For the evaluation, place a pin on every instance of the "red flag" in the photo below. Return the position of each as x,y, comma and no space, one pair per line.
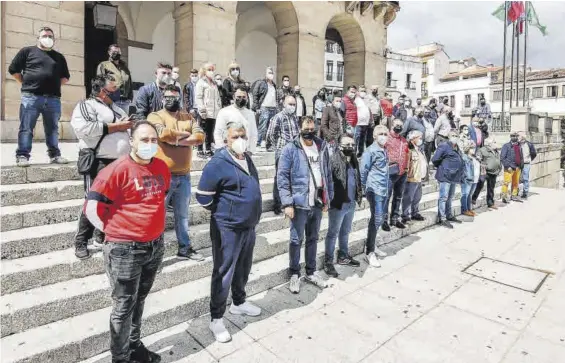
516,11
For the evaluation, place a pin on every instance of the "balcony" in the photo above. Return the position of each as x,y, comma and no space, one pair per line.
391,83
411,85
424,93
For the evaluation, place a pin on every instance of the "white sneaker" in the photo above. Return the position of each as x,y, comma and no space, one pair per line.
219,330
59,160
246,308
380,253
316,280
372,260
294,285
97,245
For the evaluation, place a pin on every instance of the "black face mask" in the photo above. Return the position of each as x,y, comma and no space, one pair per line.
418,103
115,56
241,102
172,105
307,135
397,129
347,151
483,103
375,93
514,139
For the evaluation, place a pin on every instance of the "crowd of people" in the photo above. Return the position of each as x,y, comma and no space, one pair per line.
349,148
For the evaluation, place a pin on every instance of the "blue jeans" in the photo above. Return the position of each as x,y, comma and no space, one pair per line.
180,194
411,200
265,116
378,205
361,136
525,178
30,109
395,191
466,196
339,226
446,192
304,221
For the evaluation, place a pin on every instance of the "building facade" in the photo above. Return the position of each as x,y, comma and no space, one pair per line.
403,75
333,66
292,39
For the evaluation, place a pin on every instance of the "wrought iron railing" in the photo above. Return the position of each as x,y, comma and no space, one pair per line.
391,83
500,124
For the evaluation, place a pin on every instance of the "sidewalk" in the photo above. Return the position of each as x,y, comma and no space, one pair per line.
419,307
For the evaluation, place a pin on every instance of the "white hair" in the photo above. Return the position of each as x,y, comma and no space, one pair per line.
414,134
233,125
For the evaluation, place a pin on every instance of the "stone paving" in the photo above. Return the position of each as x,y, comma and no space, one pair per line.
419,307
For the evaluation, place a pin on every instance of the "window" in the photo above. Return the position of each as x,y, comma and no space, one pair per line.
520,93
338,49
452,101
537,92
467,101
340,71
551,91
329,46
329,70
425,71
388,76
479,96
563,91
497,95
409,83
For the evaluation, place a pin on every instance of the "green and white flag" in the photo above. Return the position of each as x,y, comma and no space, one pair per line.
534,20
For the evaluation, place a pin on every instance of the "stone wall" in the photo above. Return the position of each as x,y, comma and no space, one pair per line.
21,20
546,168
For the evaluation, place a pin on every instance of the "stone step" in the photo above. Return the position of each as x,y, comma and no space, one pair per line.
40,173
27,309
37,214
86,335
30,193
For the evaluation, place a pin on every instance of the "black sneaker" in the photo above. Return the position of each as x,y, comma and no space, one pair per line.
209,153
190,254
525,196
385,227
505,200
446,224
406,220
516,198
143,355
278,211
81,252
347,261
330,269
201,155
399,224
453,219
418,217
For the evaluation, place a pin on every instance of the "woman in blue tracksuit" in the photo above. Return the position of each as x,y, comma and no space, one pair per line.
229,188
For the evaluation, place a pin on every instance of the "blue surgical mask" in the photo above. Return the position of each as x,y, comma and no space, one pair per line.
146,150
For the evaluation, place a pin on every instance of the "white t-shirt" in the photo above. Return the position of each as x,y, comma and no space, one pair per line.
299,107
243,115
242,163
314,159
363,113
476,169
270,99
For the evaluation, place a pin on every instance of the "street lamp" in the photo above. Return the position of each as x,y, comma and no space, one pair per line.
105,15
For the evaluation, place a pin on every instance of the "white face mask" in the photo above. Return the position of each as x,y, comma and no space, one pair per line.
219,82
382,139
165,79
175,76
46,42
419,142
146,150
235,73
239,146
210,74
290,109
362,94
194,79
286,83
270,76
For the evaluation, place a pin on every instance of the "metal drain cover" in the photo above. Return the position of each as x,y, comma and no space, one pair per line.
509,274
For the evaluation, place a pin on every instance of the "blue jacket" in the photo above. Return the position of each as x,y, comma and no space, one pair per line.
233,196
374,170
449,163
508,157
148,99
293,175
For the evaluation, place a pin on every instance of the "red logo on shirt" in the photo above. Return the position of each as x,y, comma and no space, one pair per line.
150,184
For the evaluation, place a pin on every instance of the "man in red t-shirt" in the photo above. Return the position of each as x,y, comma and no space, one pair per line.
127,202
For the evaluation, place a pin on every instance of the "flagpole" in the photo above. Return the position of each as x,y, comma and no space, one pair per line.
512,65
517,61
525,54
504,62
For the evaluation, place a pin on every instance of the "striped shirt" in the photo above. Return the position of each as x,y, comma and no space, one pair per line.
282,130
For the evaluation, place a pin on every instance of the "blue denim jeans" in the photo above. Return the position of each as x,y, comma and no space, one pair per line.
304,222
361,136
30,108
525,178
466,196
446,192
378,205
411,200
339,226
395,191
265,116
180,194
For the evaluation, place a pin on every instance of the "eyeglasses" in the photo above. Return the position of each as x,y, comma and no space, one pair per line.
171,98
382,134
291,104
240,97
347,145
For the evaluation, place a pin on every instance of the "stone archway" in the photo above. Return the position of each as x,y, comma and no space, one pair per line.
267,35
348,33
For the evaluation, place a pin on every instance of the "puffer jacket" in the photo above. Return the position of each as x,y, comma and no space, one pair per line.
293,175
491,160
208,98
449,163
374,170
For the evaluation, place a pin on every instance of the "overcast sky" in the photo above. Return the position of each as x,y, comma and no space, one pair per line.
467,28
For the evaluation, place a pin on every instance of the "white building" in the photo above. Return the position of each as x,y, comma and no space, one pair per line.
435,64
403,75
333,66
545,92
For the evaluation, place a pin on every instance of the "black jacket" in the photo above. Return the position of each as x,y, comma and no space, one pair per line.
259,93
229,86
340,167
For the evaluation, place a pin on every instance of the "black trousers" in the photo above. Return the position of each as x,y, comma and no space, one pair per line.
232,253
480,185
491,183
208,126
276,195
85,229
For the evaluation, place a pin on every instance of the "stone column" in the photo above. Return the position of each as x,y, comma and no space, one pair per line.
519,118
184,36
310,66
22,20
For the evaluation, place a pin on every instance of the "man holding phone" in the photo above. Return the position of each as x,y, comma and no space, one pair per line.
102,126
178,132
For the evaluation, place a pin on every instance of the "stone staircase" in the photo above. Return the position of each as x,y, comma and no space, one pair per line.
55,308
